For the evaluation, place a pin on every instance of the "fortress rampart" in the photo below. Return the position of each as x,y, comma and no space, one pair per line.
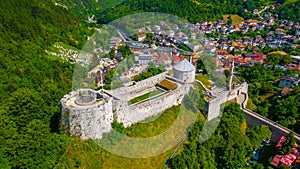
125,93
239,92
130,114
86,120
89,114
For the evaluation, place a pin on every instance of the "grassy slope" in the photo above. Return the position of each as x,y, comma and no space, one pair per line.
145,96
204,79
156,124
88,154
236,19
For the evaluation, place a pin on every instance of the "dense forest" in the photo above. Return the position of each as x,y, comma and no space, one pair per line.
86,8
265,95
33,82
289,10
230,146
197,10
192,10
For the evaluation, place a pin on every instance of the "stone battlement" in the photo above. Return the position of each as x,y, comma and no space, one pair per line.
239,92
89,114
125,93
87,119
130,114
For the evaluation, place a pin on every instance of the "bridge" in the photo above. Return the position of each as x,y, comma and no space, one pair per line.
240,94
278,130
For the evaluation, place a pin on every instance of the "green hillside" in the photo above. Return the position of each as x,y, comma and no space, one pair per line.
85,8
192,10
290,9
33,82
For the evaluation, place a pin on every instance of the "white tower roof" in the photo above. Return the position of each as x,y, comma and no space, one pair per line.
184,66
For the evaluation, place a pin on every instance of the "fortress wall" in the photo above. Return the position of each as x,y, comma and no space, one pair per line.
214,105
174,80
231,95
66,96
239,93
135,113
242,99
87,122
125,93
242,88
119,108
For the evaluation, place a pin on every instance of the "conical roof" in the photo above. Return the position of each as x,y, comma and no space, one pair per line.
184,66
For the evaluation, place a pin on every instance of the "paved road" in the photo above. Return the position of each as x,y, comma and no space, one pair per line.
124,39
183,51
262,11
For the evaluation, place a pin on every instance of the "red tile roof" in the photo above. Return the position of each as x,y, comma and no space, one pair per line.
251,20
221,52
276,160
278,52
237,60
141,35
279,29
288,159
282,139
177,58
285,91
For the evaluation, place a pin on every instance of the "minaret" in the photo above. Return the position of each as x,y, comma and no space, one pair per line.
230,75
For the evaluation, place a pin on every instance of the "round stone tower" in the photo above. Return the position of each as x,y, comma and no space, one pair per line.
184,71
87,113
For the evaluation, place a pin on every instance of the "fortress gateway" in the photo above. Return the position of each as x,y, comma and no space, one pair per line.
89,114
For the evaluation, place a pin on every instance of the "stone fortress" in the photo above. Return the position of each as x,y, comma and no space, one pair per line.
233,91
89,114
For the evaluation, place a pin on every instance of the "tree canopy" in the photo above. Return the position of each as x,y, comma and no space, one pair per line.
228,147
32,82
